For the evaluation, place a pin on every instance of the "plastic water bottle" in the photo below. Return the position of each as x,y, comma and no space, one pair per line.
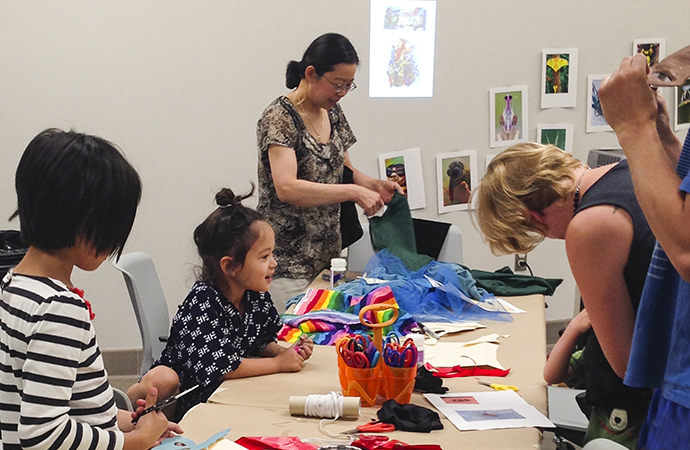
338,269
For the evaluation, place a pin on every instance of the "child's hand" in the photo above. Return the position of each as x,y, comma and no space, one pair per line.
305,347
150,427
581,322
290,360
172,430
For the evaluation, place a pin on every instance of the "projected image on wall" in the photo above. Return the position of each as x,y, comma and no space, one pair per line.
402,39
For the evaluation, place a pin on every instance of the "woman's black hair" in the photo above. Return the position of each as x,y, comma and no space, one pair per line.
227,231
324,54
75,186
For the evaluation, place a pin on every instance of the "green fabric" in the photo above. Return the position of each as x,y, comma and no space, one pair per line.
505,282
577,363
395,231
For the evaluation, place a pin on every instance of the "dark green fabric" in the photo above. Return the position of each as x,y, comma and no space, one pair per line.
395,231
505,282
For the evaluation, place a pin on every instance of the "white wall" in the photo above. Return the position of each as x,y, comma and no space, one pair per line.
179,87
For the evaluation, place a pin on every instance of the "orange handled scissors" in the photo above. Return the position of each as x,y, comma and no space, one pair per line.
375,426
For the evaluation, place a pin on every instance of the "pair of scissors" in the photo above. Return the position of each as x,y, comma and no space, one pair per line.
392,338
498,387
400,356
375,426
358,351
162,404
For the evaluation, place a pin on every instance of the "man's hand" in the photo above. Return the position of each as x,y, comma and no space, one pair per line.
628,103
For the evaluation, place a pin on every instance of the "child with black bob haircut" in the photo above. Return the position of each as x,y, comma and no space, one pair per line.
77,197
227,326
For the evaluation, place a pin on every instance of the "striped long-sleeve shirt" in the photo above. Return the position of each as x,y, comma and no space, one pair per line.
54,390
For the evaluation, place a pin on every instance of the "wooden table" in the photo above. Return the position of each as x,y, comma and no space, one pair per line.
258,406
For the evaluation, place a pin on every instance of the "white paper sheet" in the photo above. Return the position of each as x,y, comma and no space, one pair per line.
479,352
488,410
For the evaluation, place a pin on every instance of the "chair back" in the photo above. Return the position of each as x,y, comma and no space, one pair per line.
359,253
149,304
121,400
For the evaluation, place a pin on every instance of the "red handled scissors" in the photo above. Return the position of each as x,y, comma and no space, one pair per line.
375,426
358,351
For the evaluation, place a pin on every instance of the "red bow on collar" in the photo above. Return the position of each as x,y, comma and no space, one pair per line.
80,293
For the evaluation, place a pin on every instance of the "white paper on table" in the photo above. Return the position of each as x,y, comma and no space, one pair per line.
226,444
488,410
444,328
509,307
479,352
495,304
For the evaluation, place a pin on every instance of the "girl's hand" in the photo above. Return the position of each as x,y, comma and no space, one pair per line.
305,347
289,360
149,428
172,430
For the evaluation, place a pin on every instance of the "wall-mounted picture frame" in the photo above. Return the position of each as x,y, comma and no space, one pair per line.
456,174
595,117
558,134
653,48
682,107
405,168
559,78
402,48
508,123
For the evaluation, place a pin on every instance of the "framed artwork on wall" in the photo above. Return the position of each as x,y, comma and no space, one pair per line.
405,168
508,122
558,134
595,117
456,174
559,78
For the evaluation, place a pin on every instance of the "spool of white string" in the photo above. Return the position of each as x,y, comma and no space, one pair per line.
331,405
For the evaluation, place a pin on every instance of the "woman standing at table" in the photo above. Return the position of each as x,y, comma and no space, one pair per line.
532,191
303,140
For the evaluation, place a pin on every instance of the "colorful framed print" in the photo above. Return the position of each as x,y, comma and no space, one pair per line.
559,78
654,49
558,134
682,107
456,174
508,122
401,48
595,117
405,168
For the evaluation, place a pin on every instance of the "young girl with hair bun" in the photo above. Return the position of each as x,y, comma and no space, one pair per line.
226,327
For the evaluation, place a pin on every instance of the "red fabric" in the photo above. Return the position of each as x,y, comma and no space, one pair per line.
274,443
377,442
80,293
458,371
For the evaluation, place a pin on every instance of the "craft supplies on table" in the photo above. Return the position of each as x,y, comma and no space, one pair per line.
498,386
361,374
358,351
488,410
327,405
375,426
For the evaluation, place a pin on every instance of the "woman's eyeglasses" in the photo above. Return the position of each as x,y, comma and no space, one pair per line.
340,88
